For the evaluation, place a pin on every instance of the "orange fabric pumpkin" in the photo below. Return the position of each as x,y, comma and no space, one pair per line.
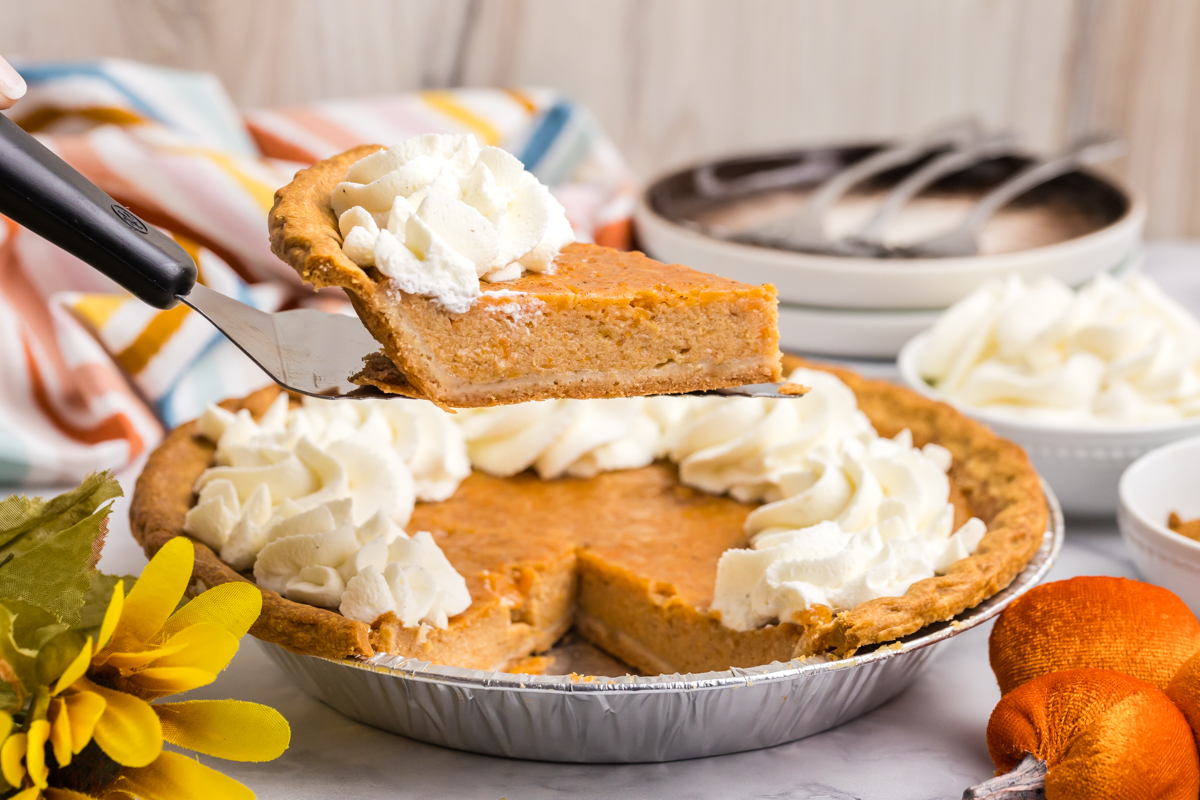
1184,691
1107,623
1101,734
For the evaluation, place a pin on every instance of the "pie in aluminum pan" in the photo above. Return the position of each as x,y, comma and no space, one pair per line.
627,558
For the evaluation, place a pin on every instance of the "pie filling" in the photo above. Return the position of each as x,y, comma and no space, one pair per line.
560,335
677,534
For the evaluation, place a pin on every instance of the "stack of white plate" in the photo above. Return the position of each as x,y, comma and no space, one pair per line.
1077,226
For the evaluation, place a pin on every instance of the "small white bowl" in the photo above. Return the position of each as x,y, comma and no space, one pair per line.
1083,464
1162,481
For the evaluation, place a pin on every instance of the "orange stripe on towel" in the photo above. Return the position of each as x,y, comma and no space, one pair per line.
115,426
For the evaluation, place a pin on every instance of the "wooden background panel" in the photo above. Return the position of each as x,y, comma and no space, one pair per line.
1140,67
677,80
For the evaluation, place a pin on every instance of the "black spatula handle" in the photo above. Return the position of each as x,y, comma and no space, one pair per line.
42,192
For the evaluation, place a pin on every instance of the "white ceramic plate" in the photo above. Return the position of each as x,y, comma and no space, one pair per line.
849,333
1162,481
856,333
871,283
1082,464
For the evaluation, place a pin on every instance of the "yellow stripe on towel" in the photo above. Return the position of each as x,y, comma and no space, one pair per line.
42,118
136,356
97,309
263,194
446,104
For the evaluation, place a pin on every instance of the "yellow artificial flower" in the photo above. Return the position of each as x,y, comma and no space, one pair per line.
146,650
153,652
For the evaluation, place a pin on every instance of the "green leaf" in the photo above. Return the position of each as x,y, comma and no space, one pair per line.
8,700
22,660
96,600
55,574
33,626
56,655
25,522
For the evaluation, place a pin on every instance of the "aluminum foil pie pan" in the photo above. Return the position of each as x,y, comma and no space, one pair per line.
636,719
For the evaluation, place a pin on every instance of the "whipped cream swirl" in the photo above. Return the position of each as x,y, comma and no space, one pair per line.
866,522
1117,351
437,213
743,446
296,495
579,438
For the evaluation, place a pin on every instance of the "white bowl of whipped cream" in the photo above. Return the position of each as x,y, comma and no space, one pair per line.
1085,380
1157,484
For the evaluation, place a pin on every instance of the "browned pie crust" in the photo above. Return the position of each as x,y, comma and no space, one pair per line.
606,323
638,574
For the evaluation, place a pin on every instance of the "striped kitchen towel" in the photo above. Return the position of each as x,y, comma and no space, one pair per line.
89,376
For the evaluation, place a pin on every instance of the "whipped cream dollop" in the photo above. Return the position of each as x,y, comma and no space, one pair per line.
364,571
579,438
437,213
1117,351
743,446
865,520
342,475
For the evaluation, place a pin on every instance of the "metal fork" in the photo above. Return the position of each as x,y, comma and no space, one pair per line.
871,235
963,239
805,230
304,350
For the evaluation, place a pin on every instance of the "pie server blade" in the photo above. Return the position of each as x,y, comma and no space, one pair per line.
305,350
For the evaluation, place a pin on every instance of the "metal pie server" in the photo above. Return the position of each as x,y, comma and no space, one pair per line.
307,351
304,350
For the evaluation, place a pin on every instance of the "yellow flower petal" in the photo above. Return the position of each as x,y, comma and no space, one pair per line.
128,731
205,646
11,756
76,669
26,794
176,777
54,793
162,681
140,658
35,755
232,729
233,606
153,597
85,710
60,730
112,615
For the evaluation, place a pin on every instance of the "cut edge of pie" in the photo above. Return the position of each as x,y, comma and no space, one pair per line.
993,475
711,332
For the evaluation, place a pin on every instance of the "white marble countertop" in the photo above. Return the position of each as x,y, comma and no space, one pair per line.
928,743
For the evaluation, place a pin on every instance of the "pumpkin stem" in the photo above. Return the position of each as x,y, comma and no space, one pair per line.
1026,782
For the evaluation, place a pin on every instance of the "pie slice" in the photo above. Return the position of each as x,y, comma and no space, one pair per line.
605,323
